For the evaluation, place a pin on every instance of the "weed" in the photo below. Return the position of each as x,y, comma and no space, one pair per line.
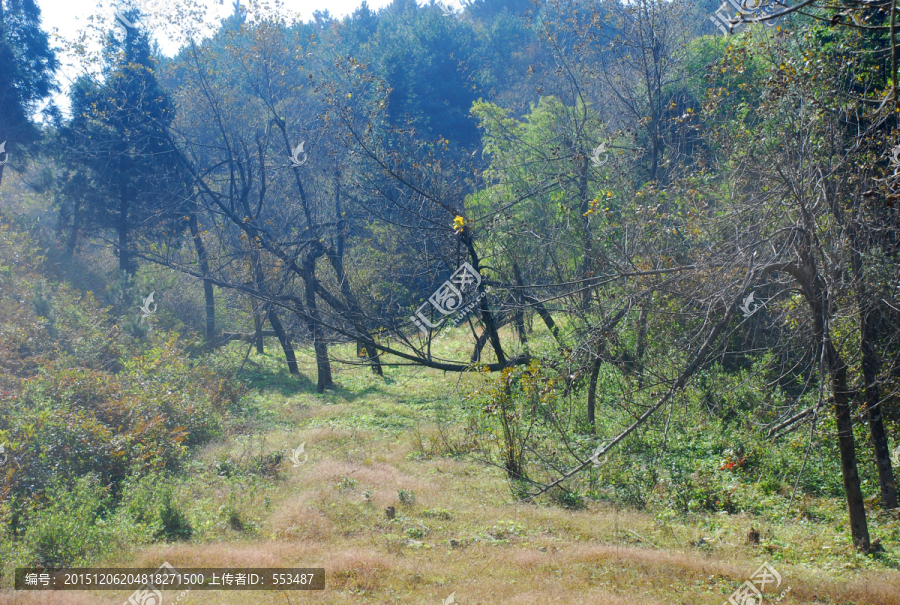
226,467
346,483
406,497
267,465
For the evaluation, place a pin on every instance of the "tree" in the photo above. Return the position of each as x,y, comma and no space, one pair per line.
27,65
117,139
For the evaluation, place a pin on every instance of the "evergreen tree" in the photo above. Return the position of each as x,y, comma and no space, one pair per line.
27,64
117,141
426,58
236,19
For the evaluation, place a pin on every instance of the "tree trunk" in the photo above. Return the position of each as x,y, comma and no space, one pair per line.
641,346
124,255
519,317
72,240
482,339
584,193
323,365
284,340
538,306
374,360
520,326
598,360
871,366
592,391
336,258
859,528
807,277
487,315
257,329
208,294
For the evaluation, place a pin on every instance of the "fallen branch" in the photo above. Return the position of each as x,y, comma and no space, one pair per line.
682,379
795,418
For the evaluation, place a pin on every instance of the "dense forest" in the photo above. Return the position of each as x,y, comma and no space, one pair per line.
638,254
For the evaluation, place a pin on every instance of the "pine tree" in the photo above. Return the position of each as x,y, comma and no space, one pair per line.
27,64
117,141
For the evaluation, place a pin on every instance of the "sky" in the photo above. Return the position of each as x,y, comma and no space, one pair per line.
68,17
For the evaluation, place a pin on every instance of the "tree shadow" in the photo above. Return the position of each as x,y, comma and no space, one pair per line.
264,374
269,379
349,395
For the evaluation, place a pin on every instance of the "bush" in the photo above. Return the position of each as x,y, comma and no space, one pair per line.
67,423
267,464
225,466
83,405
174,523
566,499
140,504
71,529
407,497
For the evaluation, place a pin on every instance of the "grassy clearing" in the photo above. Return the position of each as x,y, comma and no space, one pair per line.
374,443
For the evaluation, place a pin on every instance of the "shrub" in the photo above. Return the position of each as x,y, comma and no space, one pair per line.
406,497
346,483
566,499
174,523
267,464
225,466
71,529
